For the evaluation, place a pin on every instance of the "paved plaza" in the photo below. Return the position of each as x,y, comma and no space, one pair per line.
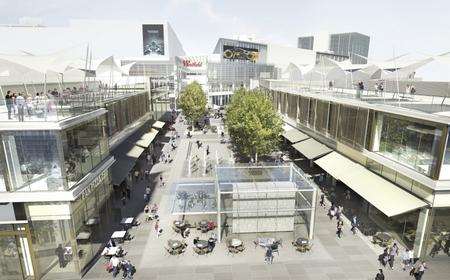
351,257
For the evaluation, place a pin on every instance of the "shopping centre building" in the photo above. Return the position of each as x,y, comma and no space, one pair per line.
385,159
60,167
66,155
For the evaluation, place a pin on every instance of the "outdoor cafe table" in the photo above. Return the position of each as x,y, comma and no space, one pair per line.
111,251
201,244
127,222
174,244
235,242
92,221
119,235
301,241
264,242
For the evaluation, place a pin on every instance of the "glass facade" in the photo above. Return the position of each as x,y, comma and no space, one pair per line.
354,44
32,160
122,113
16,262
67,236
413,144
84,147
438,245
266,201
51,160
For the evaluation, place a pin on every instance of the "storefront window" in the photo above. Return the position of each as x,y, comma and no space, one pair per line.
438,245
85,146
92,221
33,160
410,143
53,247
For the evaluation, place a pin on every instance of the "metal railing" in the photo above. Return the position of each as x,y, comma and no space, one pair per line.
56,108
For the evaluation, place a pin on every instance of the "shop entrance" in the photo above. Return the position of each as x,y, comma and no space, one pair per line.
16,259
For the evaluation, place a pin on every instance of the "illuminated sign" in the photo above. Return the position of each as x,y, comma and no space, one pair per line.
192,63
240,53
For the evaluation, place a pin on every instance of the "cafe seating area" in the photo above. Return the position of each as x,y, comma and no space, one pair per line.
302,245
235,246
175,247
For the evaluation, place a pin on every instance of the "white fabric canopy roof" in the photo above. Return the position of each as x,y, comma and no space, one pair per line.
381,193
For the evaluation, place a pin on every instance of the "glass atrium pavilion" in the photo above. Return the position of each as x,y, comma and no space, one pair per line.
254,201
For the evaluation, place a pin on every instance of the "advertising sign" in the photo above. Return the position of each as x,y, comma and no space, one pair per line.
153,39
240,53
191,63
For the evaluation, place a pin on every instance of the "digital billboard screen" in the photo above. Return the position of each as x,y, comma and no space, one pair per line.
153,39
240,53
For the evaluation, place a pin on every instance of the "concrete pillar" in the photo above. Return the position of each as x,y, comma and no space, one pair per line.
424,224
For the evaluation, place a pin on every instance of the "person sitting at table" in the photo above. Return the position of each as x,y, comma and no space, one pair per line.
211,244
185,232
195,241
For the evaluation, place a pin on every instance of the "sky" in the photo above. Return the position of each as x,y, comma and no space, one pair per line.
395,26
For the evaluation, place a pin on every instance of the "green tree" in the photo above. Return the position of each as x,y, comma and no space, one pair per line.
253,124
192,101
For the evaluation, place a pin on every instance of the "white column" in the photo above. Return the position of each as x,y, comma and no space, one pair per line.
312,218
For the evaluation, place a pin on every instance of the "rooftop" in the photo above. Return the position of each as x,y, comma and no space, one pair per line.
424,107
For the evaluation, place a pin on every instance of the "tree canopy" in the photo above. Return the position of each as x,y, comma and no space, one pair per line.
253,124
192,101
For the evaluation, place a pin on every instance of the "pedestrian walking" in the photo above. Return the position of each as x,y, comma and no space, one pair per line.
380,275
161,181
393,251
331,212
405,259
354,225
411,257
128,191
136,175
420,271
207,150
124,198
339,226
157,226
269,255
322,200
339,211
384,257
147,194
115,261
147,174
347,195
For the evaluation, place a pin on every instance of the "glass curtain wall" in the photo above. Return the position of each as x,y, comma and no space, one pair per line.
438,245
52,238
33,160
84,146
16,260
124,112
266,202
411,143
92,221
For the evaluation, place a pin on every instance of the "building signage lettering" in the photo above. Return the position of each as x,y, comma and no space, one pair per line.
94,184
191,63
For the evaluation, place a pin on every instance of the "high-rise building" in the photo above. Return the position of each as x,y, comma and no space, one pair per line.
352,44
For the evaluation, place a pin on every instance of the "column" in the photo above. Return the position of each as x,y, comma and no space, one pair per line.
422,232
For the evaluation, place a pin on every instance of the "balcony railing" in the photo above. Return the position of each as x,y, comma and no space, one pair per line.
56,108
